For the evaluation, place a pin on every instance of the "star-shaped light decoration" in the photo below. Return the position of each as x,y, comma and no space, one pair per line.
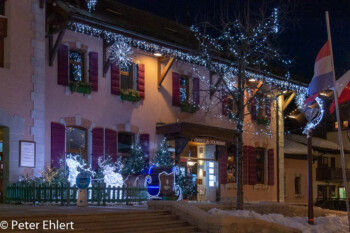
120,52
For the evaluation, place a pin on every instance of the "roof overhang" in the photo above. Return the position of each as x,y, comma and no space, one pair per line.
191,130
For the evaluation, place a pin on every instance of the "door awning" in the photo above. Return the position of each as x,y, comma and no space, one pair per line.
191,130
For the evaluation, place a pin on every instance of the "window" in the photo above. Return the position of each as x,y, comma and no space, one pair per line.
297,185
125,141
76,66
260,165
333,162
184,89
2,7
76,141
211,174
126,78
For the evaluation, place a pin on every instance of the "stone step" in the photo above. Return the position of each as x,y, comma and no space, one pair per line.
176,229
70,216
144,219
137,226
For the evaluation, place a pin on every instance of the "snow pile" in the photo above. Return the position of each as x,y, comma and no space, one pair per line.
329,224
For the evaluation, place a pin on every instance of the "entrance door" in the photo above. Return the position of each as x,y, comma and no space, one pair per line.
4,131
211,176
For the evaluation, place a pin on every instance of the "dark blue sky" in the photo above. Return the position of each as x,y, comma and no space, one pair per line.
300,41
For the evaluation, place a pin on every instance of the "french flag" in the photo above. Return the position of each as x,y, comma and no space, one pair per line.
323,75
343,90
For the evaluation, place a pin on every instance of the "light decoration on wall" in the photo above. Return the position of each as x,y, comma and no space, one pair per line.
314,122
201,60
121,52
75,166
91,4
111,177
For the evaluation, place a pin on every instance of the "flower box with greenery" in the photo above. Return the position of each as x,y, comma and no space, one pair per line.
263,121
80,87
189,107
130,95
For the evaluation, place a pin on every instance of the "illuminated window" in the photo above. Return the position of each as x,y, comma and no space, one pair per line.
211,174
76,66
184,89
126,78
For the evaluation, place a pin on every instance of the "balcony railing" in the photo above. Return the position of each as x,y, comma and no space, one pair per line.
329,173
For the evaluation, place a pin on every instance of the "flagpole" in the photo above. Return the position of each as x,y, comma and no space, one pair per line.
338,119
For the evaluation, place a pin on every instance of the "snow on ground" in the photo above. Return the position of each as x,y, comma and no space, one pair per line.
329,224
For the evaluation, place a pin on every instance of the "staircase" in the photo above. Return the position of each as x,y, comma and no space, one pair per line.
133,221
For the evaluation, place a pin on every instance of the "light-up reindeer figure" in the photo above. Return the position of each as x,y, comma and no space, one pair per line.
74,167
111,178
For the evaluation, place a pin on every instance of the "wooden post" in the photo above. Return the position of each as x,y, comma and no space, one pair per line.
309,179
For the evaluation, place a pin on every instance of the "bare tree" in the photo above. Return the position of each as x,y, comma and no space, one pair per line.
247,44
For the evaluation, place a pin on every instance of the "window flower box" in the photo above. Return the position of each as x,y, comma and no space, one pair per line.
188,107
262,121
130,95
84,88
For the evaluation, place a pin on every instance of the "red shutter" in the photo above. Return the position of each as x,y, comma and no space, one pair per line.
62,65
222,154
111,143
141,80
253,109
225,103
245,165
93,70
176,89
252,165
115,79
97,146
270,167
58,133
144,141
268,109
195,90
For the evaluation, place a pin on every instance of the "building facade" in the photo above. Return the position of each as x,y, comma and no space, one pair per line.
63,95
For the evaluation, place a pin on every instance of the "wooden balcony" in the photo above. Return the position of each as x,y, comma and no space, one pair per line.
331,174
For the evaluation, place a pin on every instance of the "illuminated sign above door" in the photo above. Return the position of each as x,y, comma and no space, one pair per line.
209,141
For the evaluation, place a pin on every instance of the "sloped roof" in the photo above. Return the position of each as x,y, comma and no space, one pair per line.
294,148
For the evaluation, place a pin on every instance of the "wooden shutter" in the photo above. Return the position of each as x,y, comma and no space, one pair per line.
176,89
252,165
268,110
93,70
111,143
62,65
270,167
253,109
58,133
144,141
224,106
195,91
97,147
141,80
115,80
245,165
222,155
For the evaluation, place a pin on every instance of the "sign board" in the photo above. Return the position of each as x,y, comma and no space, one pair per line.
83,180
209,141
166,183
26,154
3,27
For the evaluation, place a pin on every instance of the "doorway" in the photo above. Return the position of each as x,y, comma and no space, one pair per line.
4,151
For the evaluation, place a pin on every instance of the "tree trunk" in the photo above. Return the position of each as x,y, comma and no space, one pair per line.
239,138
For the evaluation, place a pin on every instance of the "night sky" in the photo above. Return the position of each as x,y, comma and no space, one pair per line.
300,40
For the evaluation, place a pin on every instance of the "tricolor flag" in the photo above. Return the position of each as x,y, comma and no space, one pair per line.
323,78
343,90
